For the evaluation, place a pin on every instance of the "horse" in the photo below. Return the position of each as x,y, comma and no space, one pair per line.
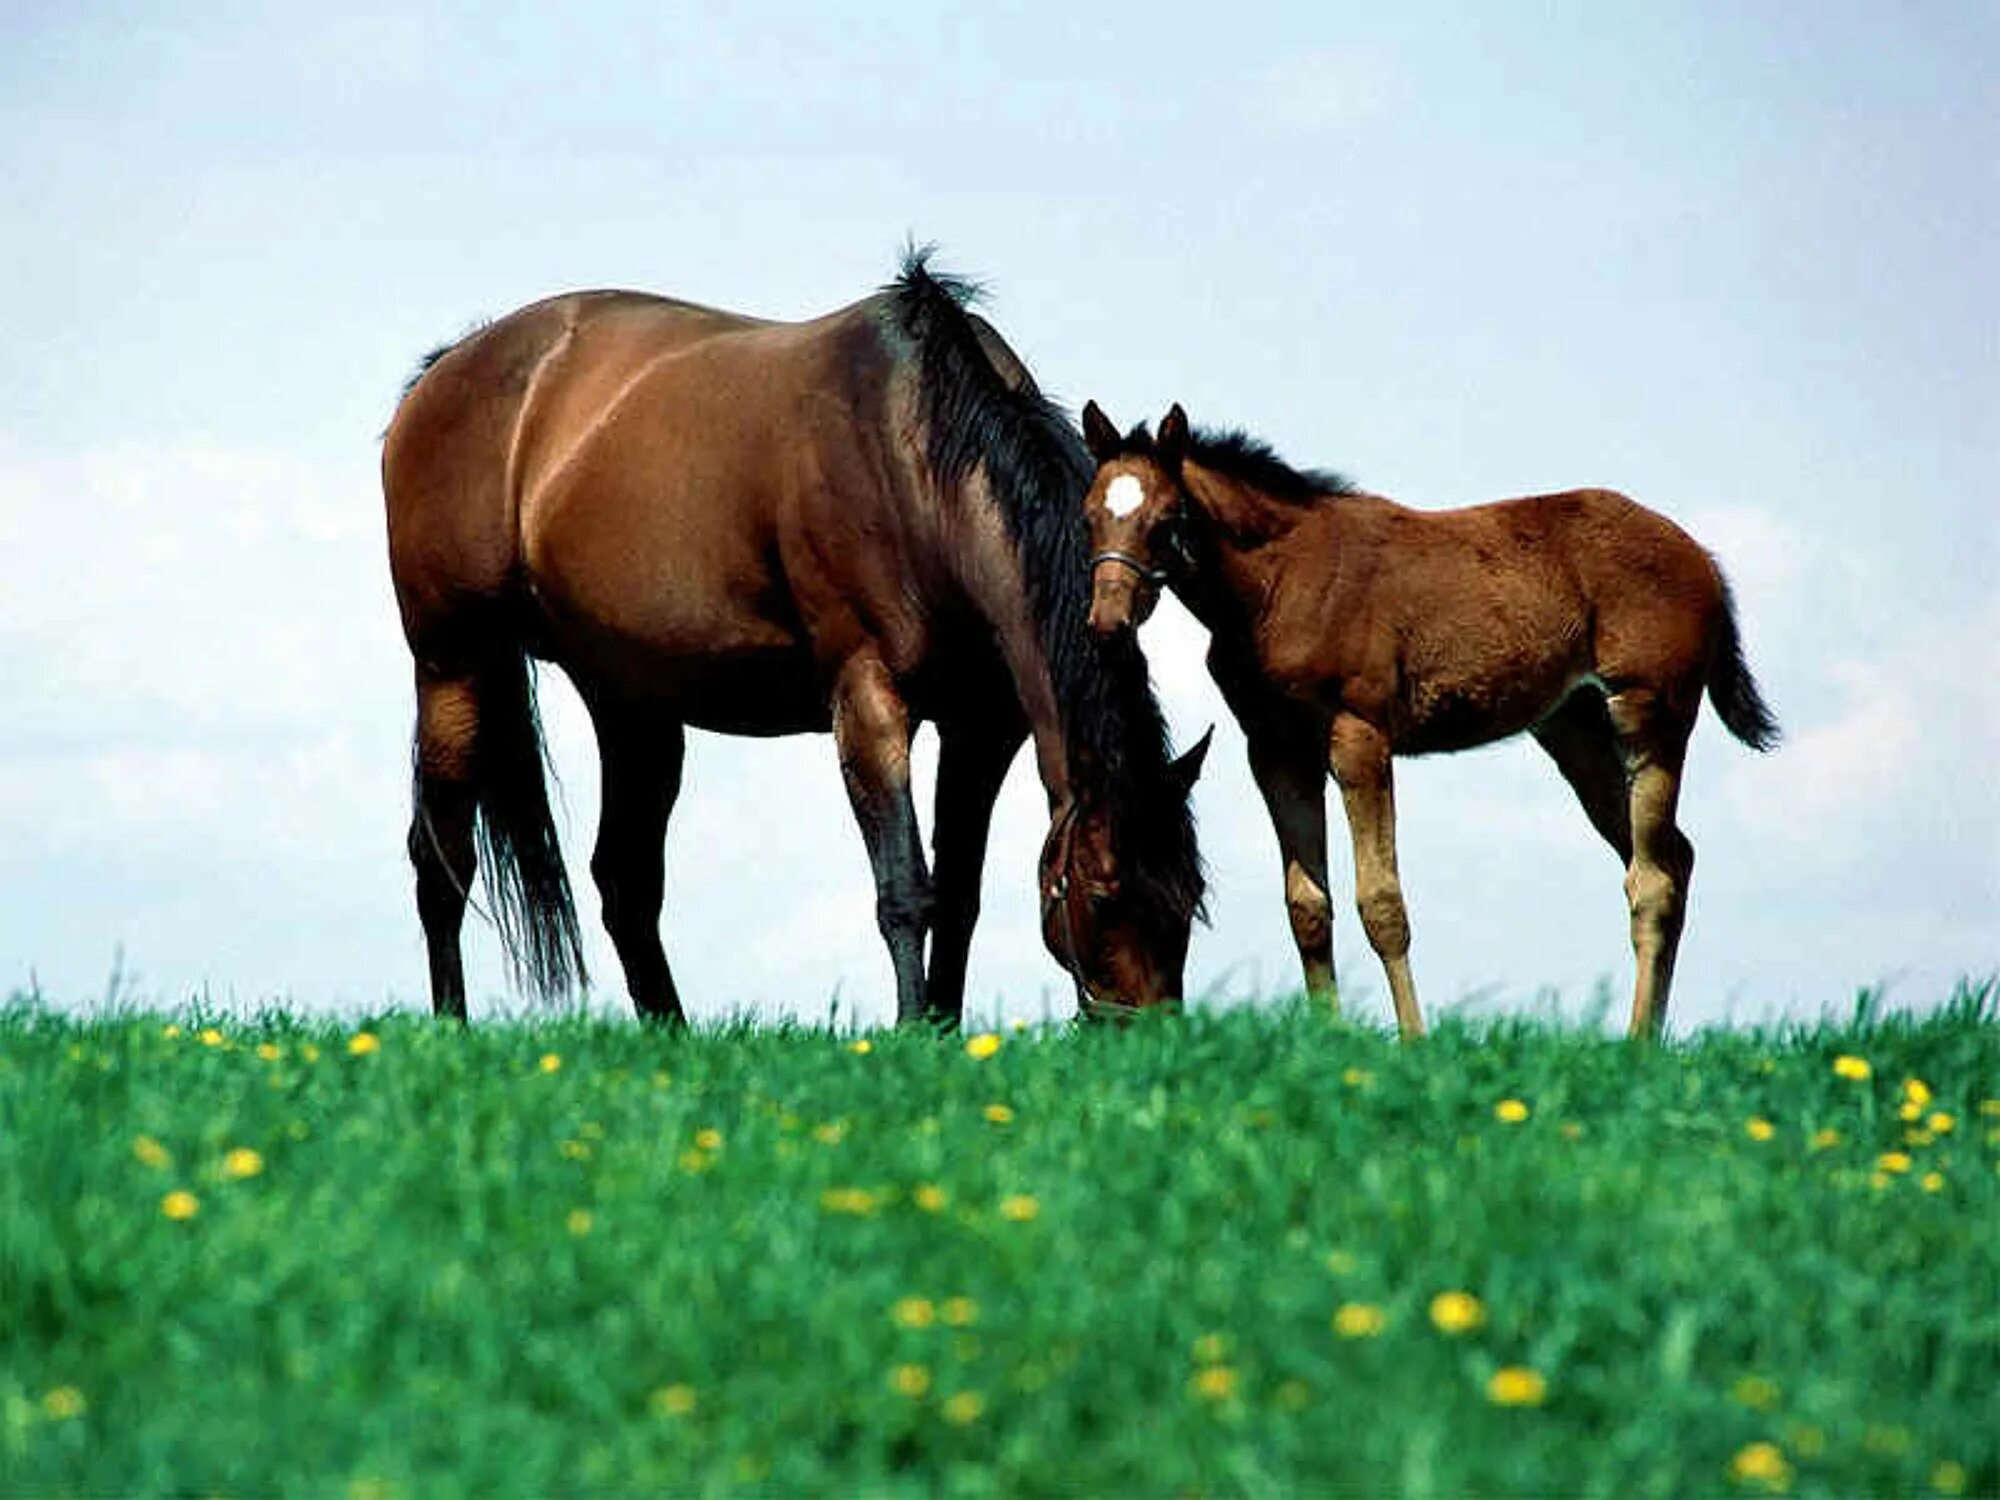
1347,629
855,524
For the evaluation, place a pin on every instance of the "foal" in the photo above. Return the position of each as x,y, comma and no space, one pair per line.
1347,629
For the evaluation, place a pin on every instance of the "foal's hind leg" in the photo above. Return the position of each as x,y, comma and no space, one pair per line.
443,806
1653,735
1360,756
973,757
1580,740
640,758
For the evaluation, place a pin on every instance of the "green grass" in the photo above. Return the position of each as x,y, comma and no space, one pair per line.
406,1298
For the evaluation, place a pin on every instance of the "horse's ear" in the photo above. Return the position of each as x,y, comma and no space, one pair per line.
1186,768
1172,443
1098,434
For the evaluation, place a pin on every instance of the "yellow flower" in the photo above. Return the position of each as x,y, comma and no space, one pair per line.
1516,1385
180,1204
861,1046
270,1051
914,1312
1990,1108
309,1052
1755,1392
857,1201
830,1133
575,1150
1456,1312
999,1114
1358,1320
1932,1182
1911,1110
150,1152
709,1139
64,1404
960,1312
1948,1478
579,1221
695,1161
1824,1138
170,1031
242,1163
1215,1383
1916,1137
1893,1161
964,1408
675,1400
983,1046
210,1037
1856,1070
913,1381
1942,1123
1761,1464
551,1062
929,1197
364,1042
1210,1349
1510,1111
1917,1091
1758,1128
1357,1078
1020,1207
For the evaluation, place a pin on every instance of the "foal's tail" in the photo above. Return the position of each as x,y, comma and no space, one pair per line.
526,882
1732,689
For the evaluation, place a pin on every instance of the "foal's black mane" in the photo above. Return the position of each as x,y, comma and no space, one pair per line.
1038,471
1236,454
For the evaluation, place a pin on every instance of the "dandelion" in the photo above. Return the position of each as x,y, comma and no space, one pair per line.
983,1046
1761,1464
709,1139
913,1312
309,1052
1755,1392
858,1202
861,1046
1456,1312
1020,1207
959,1312
1910,1110
180,1204
1932,1182
210,1037
170,1031
1894,1161
693,1161
929,1197
579,1222
64,1404
1948,1478
362,1043
1215,1383
150,1152
242,1163
963,1408
999,1114
1990,1108
1916,1137
1510,1111
1855,1070
270,1051
1917,1092
1824,1138
676,1400
1941,1123
1358,1320
1211,1349
1758,1128
575,1150
913,1381
1357,1078
1516,1385
551,1062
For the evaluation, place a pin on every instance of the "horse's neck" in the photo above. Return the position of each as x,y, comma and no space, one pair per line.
1246,532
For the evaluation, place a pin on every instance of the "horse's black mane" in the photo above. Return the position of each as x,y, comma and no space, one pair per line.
1038,471
1235,453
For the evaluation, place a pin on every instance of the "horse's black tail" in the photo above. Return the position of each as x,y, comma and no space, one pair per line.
526,882
1733,690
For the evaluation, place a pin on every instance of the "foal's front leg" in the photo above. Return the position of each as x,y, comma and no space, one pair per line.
871,728
1360,756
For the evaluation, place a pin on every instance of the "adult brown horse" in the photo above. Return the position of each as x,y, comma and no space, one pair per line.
1347,629
855,523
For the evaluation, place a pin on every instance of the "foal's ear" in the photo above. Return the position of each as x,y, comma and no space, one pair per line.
1098,434
1172,443
1187,767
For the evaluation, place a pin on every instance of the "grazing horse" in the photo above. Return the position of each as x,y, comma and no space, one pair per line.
853,524
1347,629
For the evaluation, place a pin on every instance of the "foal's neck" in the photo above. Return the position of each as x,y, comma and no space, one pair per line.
1243,524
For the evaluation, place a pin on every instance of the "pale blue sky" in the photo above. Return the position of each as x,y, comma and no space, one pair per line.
1733,263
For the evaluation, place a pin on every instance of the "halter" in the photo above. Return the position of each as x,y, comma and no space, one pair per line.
1147,573
1057,895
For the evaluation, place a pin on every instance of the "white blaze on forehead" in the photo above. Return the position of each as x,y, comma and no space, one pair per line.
1125,496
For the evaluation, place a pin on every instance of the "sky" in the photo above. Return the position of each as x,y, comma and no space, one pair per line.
1736,267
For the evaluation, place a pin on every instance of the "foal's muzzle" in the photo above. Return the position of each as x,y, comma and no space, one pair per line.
1112,615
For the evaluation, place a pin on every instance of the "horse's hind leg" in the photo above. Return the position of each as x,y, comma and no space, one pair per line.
1653,735
973,757
443,806
640,758
1360,757
1580,740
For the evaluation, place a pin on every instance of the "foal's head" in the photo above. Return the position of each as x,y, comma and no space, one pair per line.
1120,927
1137,512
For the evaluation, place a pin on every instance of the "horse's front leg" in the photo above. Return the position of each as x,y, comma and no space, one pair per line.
1360,757
973,757
871,728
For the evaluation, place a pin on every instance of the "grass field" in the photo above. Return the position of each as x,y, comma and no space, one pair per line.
1252,1253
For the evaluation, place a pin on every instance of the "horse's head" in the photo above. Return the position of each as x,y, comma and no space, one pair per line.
1137,513
1121,934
